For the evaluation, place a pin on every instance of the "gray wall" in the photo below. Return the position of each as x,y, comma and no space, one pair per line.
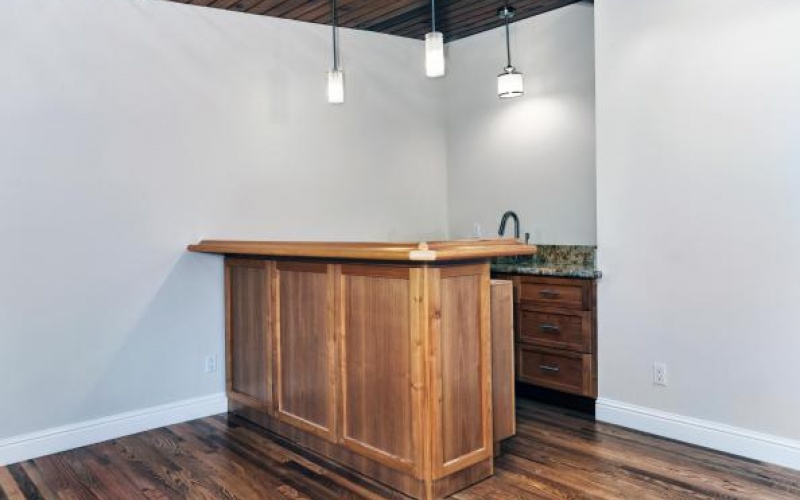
131,128
698,175
534,154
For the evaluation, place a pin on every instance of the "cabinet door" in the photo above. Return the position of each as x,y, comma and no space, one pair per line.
305,356
378,371
249,350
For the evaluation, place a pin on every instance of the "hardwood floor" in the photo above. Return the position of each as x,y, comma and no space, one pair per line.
556,454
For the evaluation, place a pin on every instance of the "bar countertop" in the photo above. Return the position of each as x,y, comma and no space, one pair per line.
437,251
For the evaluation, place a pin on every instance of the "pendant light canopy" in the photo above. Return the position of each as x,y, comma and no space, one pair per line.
434,48
509,82
335,75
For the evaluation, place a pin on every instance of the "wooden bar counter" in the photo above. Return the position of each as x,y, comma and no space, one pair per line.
376,356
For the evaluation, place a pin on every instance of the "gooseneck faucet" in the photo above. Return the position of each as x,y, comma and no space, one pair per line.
504,220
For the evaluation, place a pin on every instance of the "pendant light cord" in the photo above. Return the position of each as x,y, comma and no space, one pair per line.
508,36
335,36
433,15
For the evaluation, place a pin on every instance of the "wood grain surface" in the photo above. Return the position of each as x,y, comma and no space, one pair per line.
556,333
378,403
439,251
382,367
249,360
556,454
503,360
463,400
305,351
408,18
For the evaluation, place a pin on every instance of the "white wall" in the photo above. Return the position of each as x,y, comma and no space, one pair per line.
533,154
131,128
698,180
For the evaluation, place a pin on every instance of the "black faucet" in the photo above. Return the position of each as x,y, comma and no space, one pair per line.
503,221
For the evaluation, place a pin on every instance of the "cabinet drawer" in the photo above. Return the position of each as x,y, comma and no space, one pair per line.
557,328
560,370
555,292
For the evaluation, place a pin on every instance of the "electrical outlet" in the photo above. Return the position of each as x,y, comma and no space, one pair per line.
476,230
660,373
211,363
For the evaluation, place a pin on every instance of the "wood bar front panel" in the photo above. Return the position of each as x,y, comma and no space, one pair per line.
377,400
305,353
464,371
386,368
249,374
503,360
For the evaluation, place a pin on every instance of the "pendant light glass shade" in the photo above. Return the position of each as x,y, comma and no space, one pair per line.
434,54
510,83
335,75
434,48
336,86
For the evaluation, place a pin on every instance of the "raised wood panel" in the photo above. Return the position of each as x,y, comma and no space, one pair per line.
503,414
463,371
305,349
249,350
378,400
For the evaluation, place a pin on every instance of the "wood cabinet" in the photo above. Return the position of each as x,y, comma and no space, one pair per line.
384,368
556,333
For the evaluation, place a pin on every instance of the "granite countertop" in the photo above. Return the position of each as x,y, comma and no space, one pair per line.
570,261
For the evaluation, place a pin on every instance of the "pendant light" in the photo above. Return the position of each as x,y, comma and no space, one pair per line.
335,75
509,82
434,48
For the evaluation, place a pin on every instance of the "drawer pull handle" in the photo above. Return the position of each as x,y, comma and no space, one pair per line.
549,368
549,294
548,327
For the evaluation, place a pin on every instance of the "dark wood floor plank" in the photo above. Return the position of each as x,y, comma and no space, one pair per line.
674,468
243,478
160,467
497,488
65,482
8,486
141,478
239,429
556,454
188,474
33,485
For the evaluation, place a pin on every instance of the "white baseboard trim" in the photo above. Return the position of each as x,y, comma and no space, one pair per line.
58,439
726,438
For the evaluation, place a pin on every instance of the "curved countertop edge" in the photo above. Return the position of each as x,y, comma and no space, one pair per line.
563,272
437,251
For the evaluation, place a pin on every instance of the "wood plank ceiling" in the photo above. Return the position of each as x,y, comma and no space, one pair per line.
408,18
